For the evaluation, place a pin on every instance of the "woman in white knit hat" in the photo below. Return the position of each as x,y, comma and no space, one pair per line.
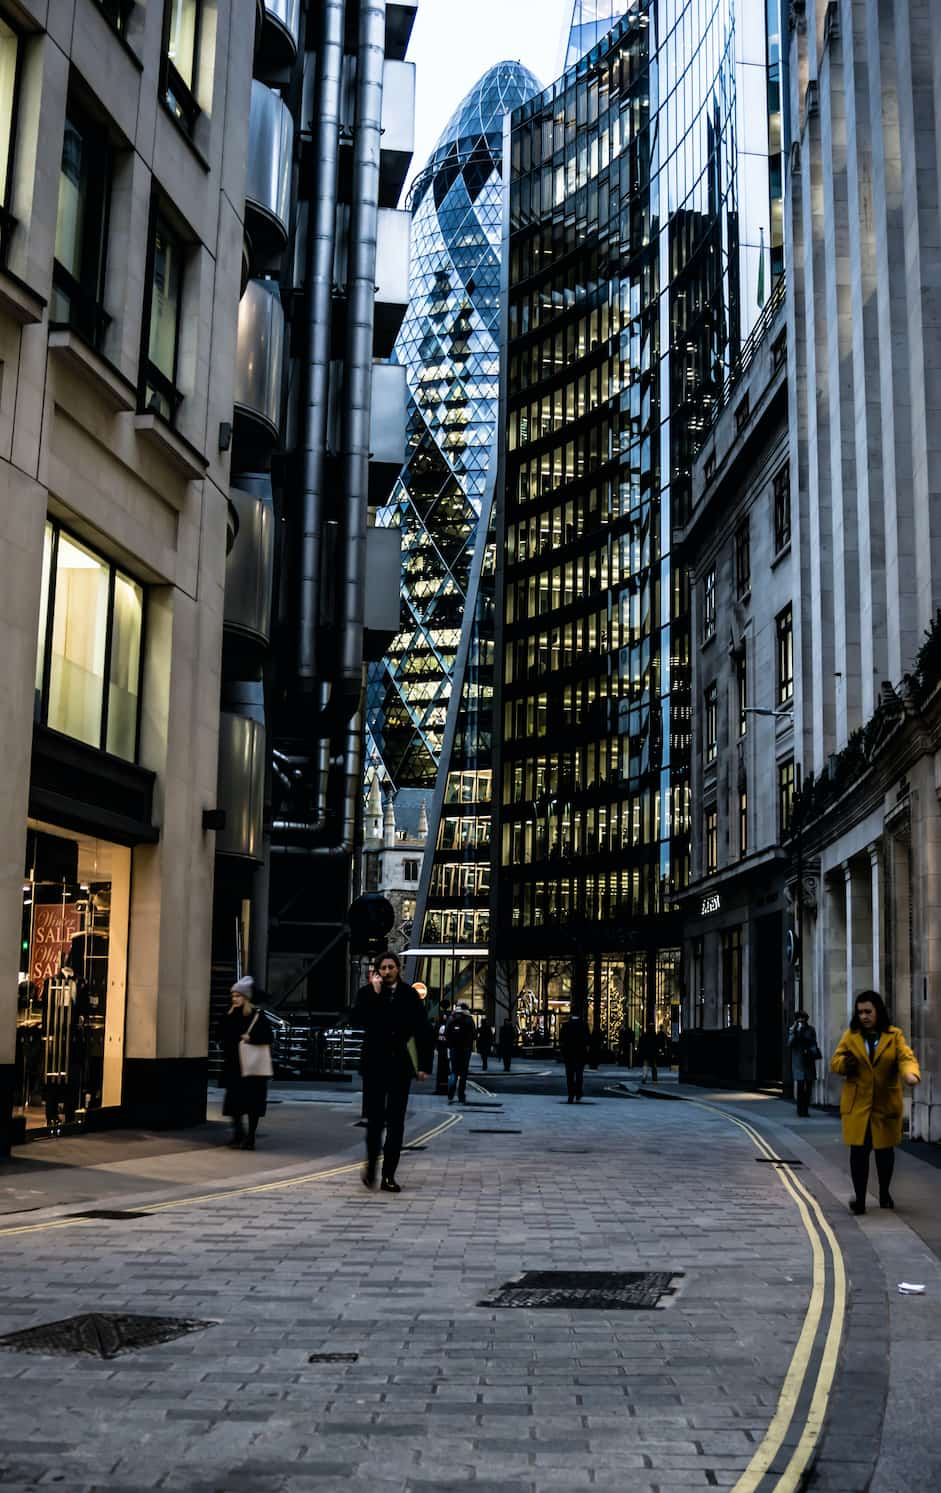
246,1036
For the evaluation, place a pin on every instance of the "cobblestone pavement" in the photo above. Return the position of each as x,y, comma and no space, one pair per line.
446,1393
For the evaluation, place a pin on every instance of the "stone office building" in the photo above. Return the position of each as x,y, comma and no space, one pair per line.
864,321
123,139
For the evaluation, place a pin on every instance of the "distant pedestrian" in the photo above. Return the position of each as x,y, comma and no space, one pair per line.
802,1040
397,1047
874,1060
485,1042
245,1035
573,1045
507,1043
648,1050
460,1033
441,1048
626,1045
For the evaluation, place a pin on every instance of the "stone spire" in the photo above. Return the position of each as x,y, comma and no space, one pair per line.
372,827
423,821
389,823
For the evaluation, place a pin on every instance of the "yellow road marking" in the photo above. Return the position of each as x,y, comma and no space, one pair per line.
73,1221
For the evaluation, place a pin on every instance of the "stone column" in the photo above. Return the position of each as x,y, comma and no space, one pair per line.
875,873
847,870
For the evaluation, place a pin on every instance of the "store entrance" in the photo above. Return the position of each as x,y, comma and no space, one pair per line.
71,995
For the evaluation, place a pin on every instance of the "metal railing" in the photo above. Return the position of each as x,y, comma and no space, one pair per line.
746,357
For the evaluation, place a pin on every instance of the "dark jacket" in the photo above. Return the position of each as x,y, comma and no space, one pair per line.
802,1040
485,1040
231,1028
460,1031
649,1048
573,1041
388,1022
507,1041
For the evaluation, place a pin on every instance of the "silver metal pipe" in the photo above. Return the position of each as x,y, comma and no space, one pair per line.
319,259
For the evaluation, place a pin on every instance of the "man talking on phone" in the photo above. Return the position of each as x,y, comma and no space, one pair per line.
397,1047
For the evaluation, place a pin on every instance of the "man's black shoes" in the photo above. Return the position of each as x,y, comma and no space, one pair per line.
389,1185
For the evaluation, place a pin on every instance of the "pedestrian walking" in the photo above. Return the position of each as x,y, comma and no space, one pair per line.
485,1042
874,1059
245,1035
397,1047
573,1045
802,1040
441,1048
648,1050
460,1033
507,1043
626,1045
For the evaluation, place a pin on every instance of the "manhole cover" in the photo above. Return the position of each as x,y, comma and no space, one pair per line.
590,1290
333,1358
100,1334
115,1213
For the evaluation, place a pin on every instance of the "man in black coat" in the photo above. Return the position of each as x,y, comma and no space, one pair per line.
573,1045
397,1047
459,1034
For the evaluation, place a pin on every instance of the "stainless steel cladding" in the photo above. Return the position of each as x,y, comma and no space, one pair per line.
268,187
241,791
250,565
260,355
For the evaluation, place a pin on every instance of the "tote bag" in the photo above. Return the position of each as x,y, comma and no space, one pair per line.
255,1057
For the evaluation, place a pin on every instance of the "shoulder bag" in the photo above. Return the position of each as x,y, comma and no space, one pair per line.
255,1057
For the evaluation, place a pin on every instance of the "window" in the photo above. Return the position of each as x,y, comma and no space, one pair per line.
741,689
732,977
711,722
711,840
81,229
162,326
742,559
183,18
117,12
743,822
786,783
90,633
410,870
709,605
785,630
9,94
782,509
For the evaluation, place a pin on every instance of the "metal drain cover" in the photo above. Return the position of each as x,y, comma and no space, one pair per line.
114,1213
99,1334
585,1290
333,1358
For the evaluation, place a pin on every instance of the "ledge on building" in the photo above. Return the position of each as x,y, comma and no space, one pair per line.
19,300
174,448
78,355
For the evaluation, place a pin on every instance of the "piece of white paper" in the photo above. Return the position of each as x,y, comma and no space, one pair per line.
908,1288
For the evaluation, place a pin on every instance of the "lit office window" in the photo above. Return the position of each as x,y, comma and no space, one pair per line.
785,633
81,229
711,840
711,722
166,292
709,605
90,632
786,785
182,58
9,79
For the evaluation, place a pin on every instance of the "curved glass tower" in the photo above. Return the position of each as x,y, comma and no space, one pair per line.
449,344
590,20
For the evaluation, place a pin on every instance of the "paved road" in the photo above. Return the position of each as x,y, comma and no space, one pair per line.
446,1393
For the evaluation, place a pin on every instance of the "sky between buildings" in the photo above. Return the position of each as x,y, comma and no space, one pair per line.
455,41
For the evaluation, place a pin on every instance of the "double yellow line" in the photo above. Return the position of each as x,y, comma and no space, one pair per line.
800,1368
73,1220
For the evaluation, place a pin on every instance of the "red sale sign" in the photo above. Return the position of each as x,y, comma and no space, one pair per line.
54,927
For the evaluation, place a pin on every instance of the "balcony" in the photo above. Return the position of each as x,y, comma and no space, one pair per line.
279,35
268,185
259,364
241,787
386,429
249,568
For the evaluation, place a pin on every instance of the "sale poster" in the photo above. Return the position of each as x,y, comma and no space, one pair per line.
54,927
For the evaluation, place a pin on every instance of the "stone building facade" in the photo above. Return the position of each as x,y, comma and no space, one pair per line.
864,320
395,836
123,137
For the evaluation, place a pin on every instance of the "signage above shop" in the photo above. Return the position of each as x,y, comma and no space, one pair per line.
710,904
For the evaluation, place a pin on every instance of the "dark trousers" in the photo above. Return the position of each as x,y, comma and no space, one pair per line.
441,1074
859,1167
507,1059
483,1059
460,1062
386,1103
574,1077
802,1088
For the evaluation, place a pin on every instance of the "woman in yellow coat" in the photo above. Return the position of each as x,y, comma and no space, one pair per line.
875,1060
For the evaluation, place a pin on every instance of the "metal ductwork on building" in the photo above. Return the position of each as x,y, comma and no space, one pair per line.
280,34
260,359
250,565
242,765
268,185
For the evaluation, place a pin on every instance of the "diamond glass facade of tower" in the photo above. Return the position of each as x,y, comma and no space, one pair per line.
636,213
449,346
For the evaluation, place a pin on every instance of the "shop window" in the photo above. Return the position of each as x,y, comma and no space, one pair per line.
162,324
711,722
782,509
709,605
711,840
82,229
742,559
732,977
181,59
10,47
786,784
89,648
785,654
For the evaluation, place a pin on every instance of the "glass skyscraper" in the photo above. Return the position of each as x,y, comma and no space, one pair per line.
638,215
449,345
590,20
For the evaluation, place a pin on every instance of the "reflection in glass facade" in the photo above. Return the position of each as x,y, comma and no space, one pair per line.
590,20
449,345
637,231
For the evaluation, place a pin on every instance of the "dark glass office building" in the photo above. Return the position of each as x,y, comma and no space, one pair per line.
637,229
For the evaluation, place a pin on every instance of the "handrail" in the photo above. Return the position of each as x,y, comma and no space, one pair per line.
747,355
